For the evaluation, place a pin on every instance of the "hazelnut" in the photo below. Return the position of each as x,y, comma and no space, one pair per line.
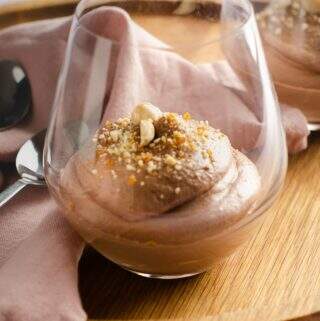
185,8
145,111
147,132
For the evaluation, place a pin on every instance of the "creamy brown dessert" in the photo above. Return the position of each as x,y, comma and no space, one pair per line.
161,194
291,34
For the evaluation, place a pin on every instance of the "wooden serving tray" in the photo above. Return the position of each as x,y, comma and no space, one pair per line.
276,276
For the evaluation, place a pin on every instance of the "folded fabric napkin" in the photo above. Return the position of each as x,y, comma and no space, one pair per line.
39,252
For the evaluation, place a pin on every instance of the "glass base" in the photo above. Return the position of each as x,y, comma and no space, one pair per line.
162,276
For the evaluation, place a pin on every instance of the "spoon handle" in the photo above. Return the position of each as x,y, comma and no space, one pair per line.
11,191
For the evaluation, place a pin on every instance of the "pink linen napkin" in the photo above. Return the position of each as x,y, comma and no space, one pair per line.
39,255
38,250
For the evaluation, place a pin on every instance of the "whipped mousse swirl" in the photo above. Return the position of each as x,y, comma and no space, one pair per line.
151,163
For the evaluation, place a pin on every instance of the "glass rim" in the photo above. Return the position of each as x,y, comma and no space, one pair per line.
84,5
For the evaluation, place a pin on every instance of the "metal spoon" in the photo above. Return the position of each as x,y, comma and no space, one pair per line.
29,164
15,94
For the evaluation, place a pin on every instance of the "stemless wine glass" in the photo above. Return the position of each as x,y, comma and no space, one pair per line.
291,38
185,58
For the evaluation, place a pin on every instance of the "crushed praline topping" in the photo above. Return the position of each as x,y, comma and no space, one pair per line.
171,150
132,180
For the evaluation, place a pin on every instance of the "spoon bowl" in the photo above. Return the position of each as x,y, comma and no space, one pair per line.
29,163
15,94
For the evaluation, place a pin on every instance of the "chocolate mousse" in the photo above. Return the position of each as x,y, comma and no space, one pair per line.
291,34
160,193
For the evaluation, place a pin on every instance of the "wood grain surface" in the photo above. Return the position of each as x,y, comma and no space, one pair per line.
276,276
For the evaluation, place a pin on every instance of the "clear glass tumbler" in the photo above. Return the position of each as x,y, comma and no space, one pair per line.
185,58
291,38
